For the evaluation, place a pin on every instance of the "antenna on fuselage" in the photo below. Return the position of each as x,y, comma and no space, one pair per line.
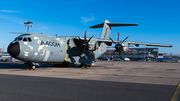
27,24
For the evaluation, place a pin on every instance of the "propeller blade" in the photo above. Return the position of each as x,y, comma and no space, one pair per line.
124,39
119,53
85,36
90,39
119,56
85,51
118,37
80,39
85,43
111,40
80,51
114,52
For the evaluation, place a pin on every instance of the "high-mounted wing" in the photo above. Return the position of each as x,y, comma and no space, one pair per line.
148,44
24,33
137,43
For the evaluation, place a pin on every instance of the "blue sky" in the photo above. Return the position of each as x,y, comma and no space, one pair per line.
158,19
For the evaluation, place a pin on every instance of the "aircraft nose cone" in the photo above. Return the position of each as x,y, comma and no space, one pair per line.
14,49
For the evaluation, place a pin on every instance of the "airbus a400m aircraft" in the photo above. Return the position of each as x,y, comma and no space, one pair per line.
35,48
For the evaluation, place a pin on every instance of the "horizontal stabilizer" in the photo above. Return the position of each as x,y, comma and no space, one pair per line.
113,25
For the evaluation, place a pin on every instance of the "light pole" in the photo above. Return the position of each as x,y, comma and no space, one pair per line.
27,24
3,49
145,53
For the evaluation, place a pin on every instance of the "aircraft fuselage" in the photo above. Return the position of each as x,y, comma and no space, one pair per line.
49,49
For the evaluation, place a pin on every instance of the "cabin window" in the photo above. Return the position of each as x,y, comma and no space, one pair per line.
25,39
29,39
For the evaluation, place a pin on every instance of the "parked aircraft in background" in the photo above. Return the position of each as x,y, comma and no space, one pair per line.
35,48
5,57
164,59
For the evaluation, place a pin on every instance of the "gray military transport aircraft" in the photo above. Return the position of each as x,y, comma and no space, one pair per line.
33,48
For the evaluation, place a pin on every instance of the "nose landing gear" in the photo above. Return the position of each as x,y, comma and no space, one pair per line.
31,66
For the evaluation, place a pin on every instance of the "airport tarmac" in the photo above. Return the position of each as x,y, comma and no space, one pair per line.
106,80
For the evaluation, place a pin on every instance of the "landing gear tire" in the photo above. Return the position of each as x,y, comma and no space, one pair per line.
31,67
90,66
84,66
81,66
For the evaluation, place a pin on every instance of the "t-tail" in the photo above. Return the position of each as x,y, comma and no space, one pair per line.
106,28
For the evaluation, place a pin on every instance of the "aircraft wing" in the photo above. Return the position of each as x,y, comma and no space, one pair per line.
137,43
148,44
23,33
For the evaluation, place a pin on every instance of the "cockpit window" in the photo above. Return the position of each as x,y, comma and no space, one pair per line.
20,39
25,39
29,39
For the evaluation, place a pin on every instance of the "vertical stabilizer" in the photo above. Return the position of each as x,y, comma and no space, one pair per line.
105,30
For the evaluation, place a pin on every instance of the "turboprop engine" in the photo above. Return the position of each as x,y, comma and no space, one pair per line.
125,47
93,45
121,46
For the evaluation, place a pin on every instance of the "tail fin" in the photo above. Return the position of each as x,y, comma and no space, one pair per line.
107,28
170,55
105,31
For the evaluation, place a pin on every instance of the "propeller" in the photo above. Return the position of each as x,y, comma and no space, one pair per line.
118,46
84,43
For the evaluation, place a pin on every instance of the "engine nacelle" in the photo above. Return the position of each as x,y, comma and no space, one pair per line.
125,47
93,45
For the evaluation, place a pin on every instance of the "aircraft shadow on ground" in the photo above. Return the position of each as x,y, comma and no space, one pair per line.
12,66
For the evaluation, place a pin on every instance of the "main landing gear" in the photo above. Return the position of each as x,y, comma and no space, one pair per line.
84,66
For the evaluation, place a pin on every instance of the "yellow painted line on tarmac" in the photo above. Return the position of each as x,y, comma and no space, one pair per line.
176,94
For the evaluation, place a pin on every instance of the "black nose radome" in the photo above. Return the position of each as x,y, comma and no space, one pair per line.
14,49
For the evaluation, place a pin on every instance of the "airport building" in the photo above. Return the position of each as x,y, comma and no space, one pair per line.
135,54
